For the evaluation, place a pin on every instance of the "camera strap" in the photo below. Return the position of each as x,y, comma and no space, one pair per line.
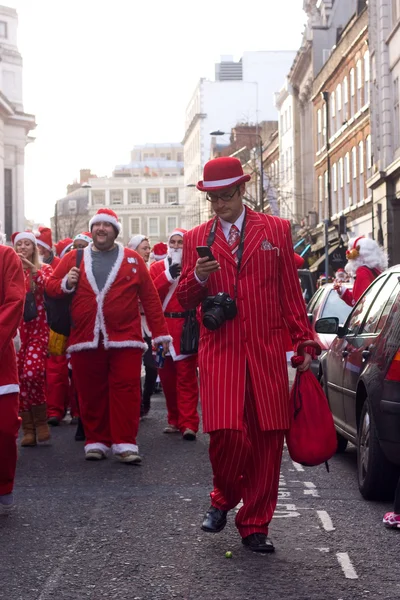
239,253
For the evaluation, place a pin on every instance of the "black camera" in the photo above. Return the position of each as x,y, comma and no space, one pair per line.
218,309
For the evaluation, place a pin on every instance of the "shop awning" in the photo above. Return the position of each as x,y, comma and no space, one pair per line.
337,259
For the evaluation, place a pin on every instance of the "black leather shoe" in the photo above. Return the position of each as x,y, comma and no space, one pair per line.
214,520
258,542
80,432
53,421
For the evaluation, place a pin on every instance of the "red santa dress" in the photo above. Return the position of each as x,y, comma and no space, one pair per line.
12,297
106,345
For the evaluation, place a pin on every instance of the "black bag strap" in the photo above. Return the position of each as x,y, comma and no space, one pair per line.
79,256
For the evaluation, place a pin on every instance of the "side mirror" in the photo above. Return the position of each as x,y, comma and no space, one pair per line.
309,315
328,325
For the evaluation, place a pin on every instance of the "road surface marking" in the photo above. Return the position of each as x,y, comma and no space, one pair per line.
311,489
347,566
297,466
325,520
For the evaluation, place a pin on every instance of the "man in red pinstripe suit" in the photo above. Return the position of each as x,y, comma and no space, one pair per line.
243,373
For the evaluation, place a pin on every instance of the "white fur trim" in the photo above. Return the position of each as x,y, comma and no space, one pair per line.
10,388
222,182
102,218
64,288
168,276
177,357
83,238
40,243
119,448
84,346
25,235
145,327
97,446
65,250
162,338
128,344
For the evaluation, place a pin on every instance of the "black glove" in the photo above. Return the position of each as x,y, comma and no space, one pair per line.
175,271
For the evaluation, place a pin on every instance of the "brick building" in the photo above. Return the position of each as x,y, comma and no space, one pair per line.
342,140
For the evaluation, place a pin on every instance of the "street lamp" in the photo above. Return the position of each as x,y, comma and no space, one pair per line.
260,150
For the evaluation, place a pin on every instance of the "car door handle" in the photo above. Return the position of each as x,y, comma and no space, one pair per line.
345,353
365,354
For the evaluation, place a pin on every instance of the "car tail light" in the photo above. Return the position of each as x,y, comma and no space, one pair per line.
394,370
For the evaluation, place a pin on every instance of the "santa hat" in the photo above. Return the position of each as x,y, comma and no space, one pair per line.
23,235
299,260
221,173
160,251
177,231
44,239
105,215
136,240
63,246
86,236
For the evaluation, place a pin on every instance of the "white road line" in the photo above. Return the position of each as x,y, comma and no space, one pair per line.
297,466
310,485
311,489
347,566
325,520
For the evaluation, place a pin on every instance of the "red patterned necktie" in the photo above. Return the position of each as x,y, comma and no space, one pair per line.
234,239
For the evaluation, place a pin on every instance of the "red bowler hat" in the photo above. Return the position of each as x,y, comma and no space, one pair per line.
221,173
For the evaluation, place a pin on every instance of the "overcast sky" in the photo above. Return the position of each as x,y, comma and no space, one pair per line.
103,75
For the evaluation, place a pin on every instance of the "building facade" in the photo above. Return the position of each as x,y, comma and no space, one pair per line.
15,126
251,82
147,193
384,181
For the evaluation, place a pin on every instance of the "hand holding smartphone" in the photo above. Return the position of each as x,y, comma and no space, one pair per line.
205,252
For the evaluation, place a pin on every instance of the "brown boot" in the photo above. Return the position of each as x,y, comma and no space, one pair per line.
40,419
28,428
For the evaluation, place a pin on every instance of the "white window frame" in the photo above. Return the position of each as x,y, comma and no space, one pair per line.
3,30
153,233
169,228
352,91
359,77
148,196
333,113
334,188
339,118
361,169
367,76
319,129
368,147
354,174
136,192
347,180
320,198
345,99
340,184
131,219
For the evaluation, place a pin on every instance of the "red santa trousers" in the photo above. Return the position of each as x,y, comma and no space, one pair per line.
181,390
246,466
57,386
108,385
9,426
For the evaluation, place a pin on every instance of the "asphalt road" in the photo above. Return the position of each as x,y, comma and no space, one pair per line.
106,531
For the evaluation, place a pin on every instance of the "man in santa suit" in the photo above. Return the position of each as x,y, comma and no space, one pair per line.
244,386
106,342
44,244
12,297
179,373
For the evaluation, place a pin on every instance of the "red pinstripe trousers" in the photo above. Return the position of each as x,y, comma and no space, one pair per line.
181,389
246,465
9,426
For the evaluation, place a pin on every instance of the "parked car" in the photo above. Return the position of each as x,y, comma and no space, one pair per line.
326,302
360,374
308,283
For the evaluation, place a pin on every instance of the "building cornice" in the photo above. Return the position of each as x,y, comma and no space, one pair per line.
301,63
197,117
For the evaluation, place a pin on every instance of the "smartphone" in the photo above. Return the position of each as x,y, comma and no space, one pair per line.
205,252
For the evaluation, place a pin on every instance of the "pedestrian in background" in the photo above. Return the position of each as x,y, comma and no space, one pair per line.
44,243
141,244
249,293
34,333
12,297
106,342
179,373
82,240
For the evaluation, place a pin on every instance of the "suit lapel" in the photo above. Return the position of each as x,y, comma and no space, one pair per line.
254,235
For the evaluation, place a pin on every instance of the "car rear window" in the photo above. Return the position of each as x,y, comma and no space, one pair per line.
335,307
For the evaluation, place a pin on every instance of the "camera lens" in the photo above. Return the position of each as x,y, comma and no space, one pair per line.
213,318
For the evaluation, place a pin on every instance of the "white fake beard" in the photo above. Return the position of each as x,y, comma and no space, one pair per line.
175,254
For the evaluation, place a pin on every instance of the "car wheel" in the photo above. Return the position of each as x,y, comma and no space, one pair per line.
341,443
377,477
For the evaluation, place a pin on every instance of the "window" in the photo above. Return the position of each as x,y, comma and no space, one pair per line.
359,84
366,77
396,112
339,119
116,197
324,123
340,184
361,169
172,197
334,189
380,309
3,30
352,92
325,193
369,155
172,224
347,196
135,197
335,307
319,129
135,225
333,113
153,226
320,198
72,207
153,197
361,309
354,170
98,198
345,99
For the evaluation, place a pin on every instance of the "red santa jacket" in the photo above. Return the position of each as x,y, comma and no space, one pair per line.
364,277
12,297
252,345
113,312
166,287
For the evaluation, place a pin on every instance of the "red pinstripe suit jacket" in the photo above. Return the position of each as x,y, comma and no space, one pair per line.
252,344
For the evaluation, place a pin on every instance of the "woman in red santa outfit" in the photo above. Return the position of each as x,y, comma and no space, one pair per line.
34,340
106,343
12,296
366,260
179,373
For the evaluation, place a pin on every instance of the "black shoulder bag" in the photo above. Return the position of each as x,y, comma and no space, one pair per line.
58,310
190,334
